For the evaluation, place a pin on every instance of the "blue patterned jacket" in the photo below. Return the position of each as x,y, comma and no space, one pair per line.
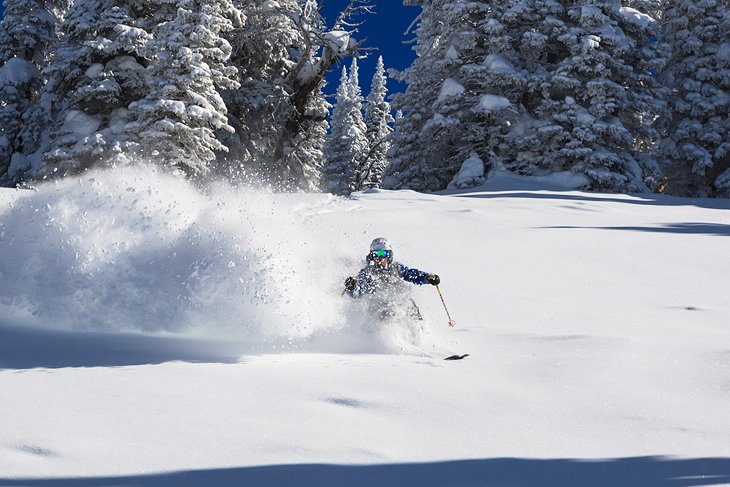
372,279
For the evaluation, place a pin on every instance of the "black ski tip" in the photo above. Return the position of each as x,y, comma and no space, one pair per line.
457,357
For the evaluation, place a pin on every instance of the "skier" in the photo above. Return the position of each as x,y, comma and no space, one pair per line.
383,275
382,282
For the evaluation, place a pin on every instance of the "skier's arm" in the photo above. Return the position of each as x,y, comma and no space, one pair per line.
357,286
413,275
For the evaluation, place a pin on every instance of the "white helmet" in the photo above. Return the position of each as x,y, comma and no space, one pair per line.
380,246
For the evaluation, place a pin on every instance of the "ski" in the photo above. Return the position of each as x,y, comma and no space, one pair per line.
457,357
434,355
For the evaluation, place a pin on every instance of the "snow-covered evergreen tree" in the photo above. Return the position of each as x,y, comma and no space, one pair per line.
28,32
378,120
176,122
258,109
27,29
455,103
538,86
597,96
98,70
479,99
602,97
410,160
304,135
697,149
283,52
19,81
347,144
360,144
338,172
649,106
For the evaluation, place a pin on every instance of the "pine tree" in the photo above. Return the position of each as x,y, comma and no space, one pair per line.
304,137
538,87
596,97
378,120
697,148
260,108
452,111
360,144
478,100
411,160
178,119
338,172
27,29
283,53
19,80
347,144
27,35
98,70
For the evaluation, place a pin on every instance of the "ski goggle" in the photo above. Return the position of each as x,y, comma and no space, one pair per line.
380,254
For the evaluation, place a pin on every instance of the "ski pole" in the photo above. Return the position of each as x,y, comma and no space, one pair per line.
452,323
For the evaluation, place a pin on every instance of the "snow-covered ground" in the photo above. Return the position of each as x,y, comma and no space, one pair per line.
153,335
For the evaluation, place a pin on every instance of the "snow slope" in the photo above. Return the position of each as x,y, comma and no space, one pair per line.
153,335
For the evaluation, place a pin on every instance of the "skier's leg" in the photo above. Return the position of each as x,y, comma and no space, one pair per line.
413,310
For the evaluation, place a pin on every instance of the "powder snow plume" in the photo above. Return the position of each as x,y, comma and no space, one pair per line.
136,249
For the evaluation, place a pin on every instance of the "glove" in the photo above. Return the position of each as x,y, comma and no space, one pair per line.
433,279
350,283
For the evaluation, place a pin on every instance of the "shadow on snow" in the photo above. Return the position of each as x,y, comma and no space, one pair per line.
640,471
717,229
26,347
698,228
632,199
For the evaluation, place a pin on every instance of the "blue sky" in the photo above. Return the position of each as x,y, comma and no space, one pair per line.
384,31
